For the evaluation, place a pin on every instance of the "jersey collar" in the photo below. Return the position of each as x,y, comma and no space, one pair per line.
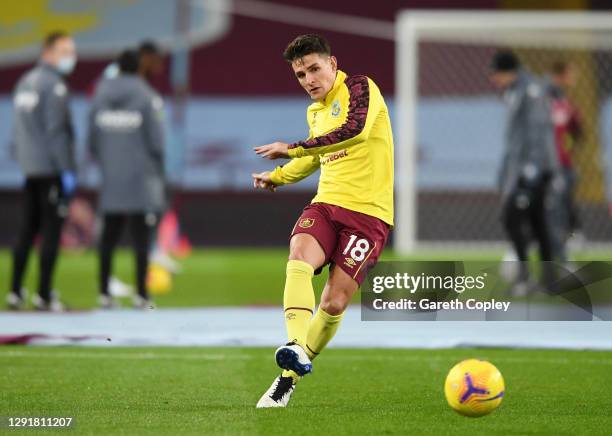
340,78
319,104
50,68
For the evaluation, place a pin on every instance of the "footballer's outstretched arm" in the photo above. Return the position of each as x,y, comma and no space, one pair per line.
364,104
263,181
292,172
273,151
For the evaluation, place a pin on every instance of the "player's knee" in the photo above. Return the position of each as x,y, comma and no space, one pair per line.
306,249
334,306
297,253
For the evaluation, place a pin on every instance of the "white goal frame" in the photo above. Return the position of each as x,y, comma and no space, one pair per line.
593,29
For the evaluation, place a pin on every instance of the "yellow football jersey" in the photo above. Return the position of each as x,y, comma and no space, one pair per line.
351,141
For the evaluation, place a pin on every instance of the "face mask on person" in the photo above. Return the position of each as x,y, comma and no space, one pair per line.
66,64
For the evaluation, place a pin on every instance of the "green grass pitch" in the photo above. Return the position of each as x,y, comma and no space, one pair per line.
210,277
371,391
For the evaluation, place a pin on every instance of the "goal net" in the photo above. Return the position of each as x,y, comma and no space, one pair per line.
450,121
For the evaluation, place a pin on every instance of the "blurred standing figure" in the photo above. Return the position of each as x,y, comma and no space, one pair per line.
44,146
568,133
150,66
150,61
126,138
529,164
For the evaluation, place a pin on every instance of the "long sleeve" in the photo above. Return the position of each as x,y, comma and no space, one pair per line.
154,129
58,127
364,105
296,170
538,148
92,135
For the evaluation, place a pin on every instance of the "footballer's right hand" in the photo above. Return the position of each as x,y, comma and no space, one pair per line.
263,181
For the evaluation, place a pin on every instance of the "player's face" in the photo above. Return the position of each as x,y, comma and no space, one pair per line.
151,64
316,73
62,49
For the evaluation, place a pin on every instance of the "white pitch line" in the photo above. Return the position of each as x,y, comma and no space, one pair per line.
220,357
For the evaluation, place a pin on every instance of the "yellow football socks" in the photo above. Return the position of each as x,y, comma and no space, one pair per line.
299,303
323,327
298,300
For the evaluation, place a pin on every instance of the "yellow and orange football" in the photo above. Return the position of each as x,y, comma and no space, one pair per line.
474,388
159,280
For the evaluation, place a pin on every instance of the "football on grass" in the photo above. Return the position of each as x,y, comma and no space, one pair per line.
474,388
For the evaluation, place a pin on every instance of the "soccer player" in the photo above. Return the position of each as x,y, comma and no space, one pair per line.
126,138
568,134
347,223
44,147
529,164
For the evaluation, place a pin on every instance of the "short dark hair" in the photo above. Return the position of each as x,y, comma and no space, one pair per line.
505,61
148,47
559,67
53,37
128,62
304,45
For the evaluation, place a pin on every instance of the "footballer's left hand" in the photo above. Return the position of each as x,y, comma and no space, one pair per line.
273,151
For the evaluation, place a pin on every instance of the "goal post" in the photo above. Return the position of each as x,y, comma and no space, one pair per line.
449,120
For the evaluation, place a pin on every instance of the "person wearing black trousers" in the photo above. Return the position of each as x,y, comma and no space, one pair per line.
126,138
530,168
44,147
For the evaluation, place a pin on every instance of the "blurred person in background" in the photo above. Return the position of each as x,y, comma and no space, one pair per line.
568,134
44,148
151,66
127,140
150,61
529,165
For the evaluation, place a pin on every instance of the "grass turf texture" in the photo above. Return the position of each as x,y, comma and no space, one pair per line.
214,391
210,277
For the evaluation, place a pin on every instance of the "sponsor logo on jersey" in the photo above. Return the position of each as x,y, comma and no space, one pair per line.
348,261
306,223
119,120
334,156
336,109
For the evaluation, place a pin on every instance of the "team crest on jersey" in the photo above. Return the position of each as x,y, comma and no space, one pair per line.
335,109
306,223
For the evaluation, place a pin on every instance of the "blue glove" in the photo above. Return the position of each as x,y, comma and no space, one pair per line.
69,183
